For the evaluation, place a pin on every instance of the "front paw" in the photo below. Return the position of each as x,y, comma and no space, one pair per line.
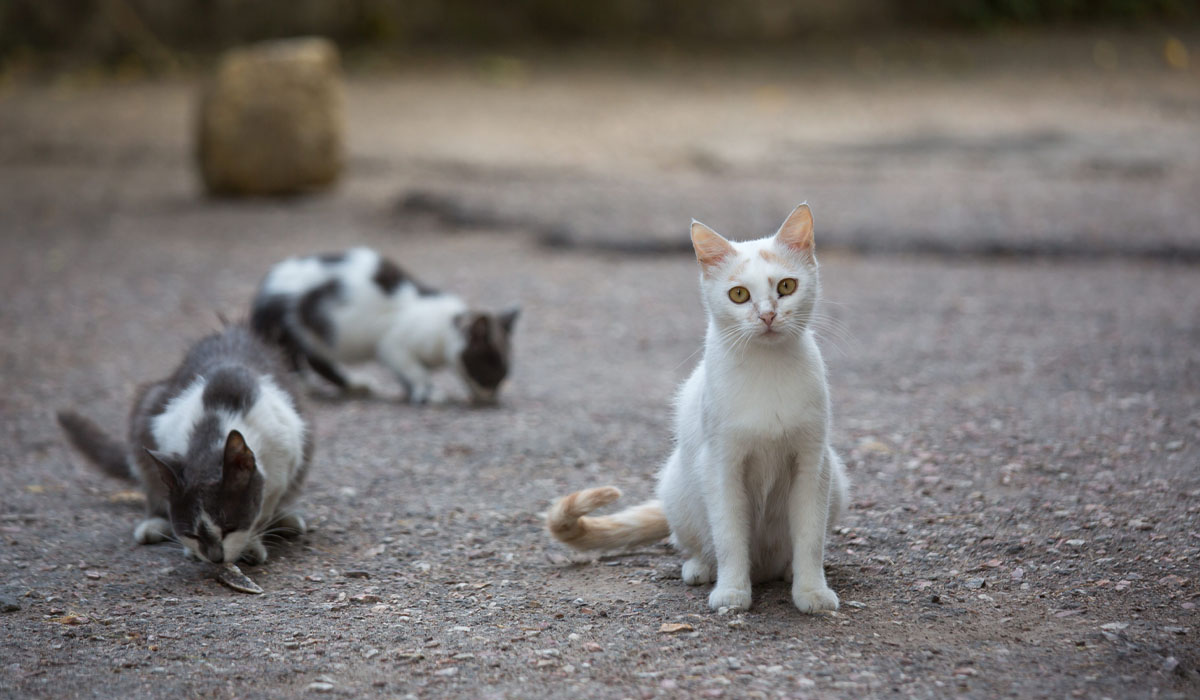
255,553
732,598
291,524
696,572
811,600
152,530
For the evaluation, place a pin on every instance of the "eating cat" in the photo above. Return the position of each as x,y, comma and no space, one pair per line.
219,447
349,307
753,483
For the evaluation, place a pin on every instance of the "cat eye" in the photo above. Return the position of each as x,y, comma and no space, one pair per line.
739,295
786,287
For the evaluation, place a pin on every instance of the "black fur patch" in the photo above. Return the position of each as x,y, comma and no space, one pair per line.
388,276
231,388
310,311
484,357
331,258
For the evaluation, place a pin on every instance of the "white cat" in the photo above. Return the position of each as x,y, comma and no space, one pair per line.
348,307
753,483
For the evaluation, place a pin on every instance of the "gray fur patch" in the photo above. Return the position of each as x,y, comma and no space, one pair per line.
231,388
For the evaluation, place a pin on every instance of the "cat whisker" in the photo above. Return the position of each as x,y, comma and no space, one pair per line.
684,361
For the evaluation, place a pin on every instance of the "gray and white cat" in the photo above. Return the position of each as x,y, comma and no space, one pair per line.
349,307
219,448
753,482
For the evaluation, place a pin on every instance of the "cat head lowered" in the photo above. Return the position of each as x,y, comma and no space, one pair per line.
214,496
763,291
484,359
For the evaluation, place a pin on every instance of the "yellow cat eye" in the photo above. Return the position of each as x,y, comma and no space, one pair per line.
739,295
786,287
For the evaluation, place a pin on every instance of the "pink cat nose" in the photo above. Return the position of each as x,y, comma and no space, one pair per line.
767,317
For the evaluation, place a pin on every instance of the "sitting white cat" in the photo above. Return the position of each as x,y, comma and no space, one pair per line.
753,483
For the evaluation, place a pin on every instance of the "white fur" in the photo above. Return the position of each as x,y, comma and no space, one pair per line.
412,334
274,432
753,482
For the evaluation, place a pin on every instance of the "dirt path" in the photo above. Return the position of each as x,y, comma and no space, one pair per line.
1021,432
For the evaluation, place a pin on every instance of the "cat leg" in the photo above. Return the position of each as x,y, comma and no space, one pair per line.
153,530
290,524
255,552
412,374
808,511
337,376
728,511
697,571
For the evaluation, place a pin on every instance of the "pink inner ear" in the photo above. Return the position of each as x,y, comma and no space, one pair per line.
797,232
711,248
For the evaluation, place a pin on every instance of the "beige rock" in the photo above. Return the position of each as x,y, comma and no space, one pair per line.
271,121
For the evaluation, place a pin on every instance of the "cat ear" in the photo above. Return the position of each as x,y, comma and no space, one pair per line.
508,318
478,330
797,231
166,468
239,462
710,247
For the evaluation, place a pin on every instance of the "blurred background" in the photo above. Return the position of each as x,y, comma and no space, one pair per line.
956,126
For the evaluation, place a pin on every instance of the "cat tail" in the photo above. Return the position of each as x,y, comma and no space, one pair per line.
636,525
95,444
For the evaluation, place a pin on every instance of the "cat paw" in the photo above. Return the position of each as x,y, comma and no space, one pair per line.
732,598
152,531
291,524
813,600
255,553
696,572
358,389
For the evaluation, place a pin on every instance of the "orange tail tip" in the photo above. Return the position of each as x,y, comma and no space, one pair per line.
637,525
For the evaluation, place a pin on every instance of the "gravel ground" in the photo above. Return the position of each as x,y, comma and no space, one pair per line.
1021,431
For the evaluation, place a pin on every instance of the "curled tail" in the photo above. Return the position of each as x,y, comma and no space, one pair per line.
95,444
636,525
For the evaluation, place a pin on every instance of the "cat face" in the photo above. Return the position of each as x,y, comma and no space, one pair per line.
214,518
759,291
484,360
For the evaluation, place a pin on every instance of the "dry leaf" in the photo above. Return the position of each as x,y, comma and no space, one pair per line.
674,627
232,576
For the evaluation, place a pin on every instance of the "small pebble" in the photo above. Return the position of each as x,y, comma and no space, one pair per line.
976,583
320,687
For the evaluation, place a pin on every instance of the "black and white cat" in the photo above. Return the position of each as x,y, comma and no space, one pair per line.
349,307
219,447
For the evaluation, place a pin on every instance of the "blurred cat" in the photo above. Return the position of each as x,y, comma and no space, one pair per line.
753,483
349,307
219,447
